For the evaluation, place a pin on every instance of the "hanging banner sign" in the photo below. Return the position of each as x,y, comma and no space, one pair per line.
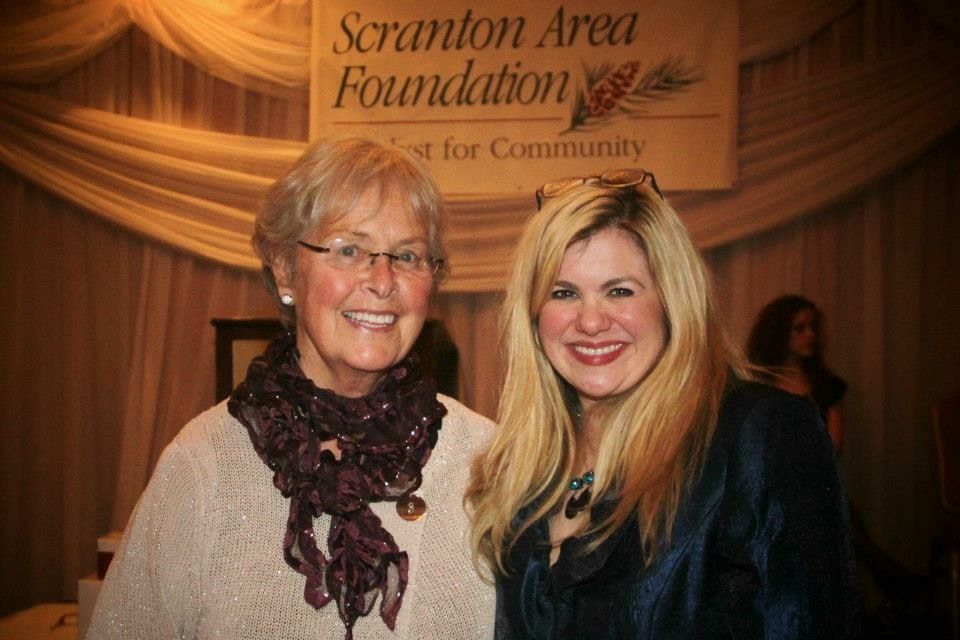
502,96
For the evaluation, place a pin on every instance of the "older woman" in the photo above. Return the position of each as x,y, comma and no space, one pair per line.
331,481
639,486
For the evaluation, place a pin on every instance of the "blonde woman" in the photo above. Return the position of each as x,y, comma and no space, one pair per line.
639,486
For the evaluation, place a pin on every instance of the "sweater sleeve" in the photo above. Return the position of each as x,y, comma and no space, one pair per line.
786,526
152,588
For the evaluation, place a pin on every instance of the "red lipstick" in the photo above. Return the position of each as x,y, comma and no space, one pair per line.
608,352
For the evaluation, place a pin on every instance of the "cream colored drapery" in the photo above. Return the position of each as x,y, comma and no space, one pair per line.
185,189
255,42
801,148
113,351
169,183
260,45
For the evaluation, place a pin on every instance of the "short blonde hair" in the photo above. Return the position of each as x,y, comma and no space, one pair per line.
655,435
325,184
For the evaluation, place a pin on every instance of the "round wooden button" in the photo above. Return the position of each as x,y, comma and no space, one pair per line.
411,507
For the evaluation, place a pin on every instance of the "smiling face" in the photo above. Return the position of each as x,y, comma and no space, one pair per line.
353,325
603,327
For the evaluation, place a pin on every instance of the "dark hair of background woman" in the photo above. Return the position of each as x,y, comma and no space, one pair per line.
769,341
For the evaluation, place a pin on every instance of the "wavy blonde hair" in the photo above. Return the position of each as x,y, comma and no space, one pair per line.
655,435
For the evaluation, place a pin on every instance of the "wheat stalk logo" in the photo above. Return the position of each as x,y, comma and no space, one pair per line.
621,91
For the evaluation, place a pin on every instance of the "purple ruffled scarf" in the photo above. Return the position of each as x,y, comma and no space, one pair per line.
385,439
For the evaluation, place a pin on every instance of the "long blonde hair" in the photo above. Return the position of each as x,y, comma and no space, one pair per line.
655,435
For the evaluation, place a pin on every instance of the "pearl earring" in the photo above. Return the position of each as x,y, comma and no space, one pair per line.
286,299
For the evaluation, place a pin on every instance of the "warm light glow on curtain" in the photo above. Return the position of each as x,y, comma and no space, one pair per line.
801,148
108,347
194,190
259,45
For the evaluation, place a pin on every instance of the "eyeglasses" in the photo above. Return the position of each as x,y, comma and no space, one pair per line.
347,256
614,178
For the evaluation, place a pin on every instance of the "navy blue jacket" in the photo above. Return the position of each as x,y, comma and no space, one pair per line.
760,549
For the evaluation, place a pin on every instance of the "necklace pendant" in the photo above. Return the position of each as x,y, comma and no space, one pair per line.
411,507
577,503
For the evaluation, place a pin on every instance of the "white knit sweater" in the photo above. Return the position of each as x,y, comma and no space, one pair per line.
202,553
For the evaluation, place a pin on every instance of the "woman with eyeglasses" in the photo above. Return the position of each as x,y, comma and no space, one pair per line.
640,485
324,498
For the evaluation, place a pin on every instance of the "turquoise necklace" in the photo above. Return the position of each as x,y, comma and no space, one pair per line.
578,502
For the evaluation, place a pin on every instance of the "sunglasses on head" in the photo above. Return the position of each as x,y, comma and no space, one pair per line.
615,178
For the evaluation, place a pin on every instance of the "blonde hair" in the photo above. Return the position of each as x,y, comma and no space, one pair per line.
655,435
325,184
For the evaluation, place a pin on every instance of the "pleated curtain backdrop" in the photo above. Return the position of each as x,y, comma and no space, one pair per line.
129,183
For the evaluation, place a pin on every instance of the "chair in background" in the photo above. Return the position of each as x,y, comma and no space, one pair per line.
946,431
439,357
239,340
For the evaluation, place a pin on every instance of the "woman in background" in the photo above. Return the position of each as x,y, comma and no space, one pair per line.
332,479
639,485
786,341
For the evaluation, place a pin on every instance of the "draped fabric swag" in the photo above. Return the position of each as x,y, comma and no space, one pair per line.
262,46
801,147
848,152
252,43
